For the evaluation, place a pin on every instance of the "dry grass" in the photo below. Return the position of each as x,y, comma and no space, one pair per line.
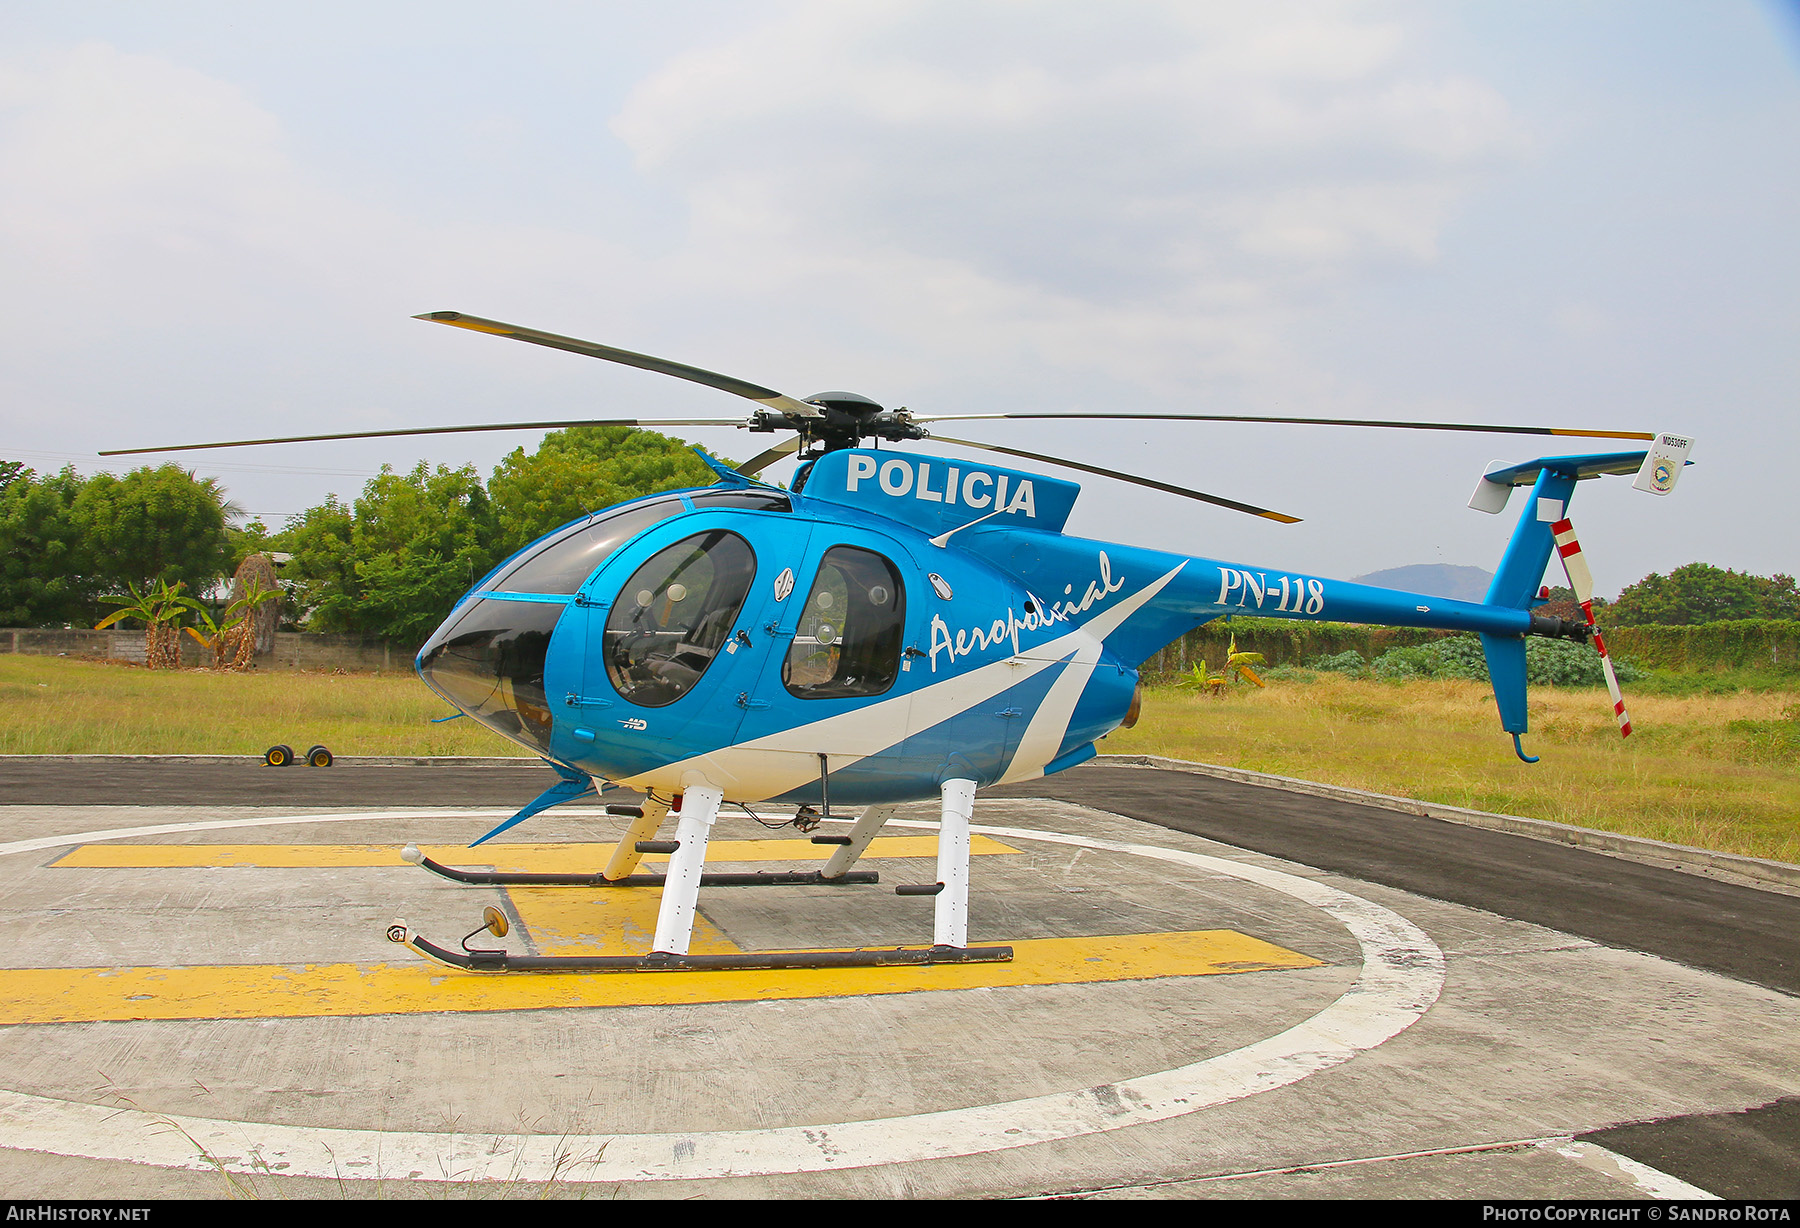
56,706
1716,771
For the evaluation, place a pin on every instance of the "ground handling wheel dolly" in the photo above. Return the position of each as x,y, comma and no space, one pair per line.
282,755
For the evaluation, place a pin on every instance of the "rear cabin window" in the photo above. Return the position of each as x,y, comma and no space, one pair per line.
675,615
848,641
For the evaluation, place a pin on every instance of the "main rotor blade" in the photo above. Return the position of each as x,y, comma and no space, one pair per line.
435,430
780,451
1235,506
662,366
1410,426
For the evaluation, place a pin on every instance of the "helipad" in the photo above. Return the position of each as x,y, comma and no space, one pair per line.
202,996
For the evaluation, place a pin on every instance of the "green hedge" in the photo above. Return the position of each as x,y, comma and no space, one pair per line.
1760,644
1751,643
1284,641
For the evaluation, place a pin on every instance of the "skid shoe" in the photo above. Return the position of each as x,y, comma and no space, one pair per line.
500,878
480,960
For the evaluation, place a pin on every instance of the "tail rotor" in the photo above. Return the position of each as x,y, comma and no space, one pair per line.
1581,580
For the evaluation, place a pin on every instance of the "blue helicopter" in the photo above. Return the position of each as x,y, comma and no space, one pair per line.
892,627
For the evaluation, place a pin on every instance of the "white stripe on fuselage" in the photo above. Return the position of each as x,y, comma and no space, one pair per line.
1050,723
776,763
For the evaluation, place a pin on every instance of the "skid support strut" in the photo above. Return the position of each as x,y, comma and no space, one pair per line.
861,832
625,857
951,927
681,889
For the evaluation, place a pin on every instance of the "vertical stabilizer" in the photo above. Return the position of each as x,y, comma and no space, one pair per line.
1521,569
1516,585
1506,670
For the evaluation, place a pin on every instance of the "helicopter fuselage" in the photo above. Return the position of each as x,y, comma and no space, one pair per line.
896,622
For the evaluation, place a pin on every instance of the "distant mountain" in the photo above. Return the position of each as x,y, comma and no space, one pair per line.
1434,580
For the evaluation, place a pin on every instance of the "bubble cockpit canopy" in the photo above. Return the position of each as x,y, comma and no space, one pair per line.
489,656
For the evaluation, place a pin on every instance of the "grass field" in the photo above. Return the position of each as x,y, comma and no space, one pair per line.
55,706
1719,769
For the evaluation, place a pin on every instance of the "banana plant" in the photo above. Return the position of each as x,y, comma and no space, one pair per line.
229,637
157,608
1201,678
1240,662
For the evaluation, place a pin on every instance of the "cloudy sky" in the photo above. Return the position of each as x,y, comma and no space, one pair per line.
216,219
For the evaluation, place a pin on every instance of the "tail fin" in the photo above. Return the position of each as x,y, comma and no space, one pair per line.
1521,572
1519,576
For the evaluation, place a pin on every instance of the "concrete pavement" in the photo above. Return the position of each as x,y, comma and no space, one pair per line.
242,1024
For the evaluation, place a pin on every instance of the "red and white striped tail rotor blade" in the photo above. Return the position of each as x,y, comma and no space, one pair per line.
1582,581
1612,686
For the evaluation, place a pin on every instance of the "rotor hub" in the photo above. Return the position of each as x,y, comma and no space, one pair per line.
848,419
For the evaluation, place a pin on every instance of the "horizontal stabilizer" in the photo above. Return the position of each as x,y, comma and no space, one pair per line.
1657,470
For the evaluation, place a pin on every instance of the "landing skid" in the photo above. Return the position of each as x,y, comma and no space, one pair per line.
496,878
681,889
663,961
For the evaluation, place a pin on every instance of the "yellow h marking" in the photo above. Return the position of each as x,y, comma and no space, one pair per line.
519,858
267,991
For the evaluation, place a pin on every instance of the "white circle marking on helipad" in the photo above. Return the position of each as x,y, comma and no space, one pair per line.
1402,975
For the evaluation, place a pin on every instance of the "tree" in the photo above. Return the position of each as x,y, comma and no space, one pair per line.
45,569
583,469
257,574
323,567
153,525
422,540
246,542
394,564
1562,604
1701,593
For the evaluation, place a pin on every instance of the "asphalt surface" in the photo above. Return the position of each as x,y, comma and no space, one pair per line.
1743,932
1753,1154
32,780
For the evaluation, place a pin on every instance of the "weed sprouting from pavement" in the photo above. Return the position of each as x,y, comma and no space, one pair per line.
163,1123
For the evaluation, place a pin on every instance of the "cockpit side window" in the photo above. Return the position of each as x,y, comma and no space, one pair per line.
848,642
675,615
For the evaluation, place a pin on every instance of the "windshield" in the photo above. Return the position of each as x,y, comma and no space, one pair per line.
562,562
490,663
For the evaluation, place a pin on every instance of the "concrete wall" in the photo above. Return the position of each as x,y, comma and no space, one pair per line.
293,649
